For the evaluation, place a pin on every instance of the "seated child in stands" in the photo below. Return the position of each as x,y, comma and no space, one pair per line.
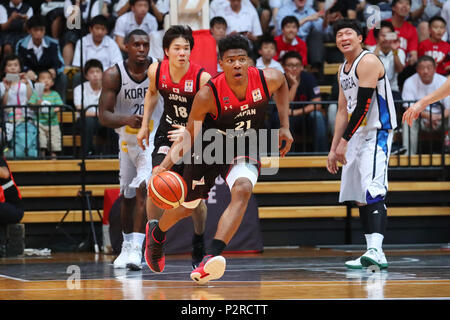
49,131
15,91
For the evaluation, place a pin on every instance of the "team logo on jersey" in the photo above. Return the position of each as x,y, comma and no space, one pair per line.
176,90
256,95
200,182
164,149
244,107
189,86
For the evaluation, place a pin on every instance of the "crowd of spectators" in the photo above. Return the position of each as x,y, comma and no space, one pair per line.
41,40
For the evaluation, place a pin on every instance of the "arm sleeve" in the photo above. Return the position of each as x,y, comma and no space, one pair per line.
362,107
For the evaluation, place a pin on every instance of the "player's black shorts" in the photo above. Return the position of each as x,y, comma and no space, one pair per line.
162,147
200,178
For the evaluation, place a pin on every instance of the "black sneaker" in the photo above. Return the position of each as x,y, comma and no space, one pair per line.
154,253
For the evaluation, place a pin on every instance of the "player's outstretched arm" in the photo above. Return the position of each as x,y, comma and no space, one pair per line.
150,101
202,105
277,85
414,111
107,101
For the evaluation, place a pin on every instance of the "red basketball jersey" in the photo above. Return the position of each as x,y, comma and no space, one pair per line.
240,114
178,97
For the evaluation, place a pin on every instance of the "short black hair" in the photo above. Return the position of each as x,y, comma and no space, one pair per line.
266,39
178,31
437,18
10,57
347,23
394,2
383,24
426,58
92,63
235,41
100,19
133,2
36,21
217,20
289,19
137,32
291,54
44,71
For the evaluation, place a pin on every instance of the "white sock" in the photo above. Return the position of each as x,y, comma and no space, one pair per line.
127,237
368,240
138,238
377,241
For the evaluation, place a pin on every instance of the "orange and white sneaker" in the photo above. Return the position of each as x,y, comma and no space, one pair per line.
211,268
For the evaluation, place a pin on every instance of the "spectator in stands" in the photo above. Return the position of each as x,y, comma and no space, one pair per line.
72,10
389,52
242,18
303,87
158,8
16,90
49,131
421,12
53,11
92,88
137,18
425,81
264,13
17,13
40,52
407,34
218,29
405,30
267,49
11,207
435,47
310,31
371,8
98,45
288,40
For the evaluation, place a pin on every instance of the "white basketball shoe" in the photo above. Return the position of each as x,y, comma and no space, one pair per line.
371,256
374,258
135,257
122,260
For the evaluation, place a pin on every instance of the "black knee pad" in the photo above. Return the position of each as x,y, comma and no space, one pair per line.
376,214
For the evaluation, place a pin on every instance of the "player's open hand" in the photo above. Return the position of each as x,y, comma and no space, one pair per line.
177,134
284,135
412,113
142,135
157,170
341,150
332,165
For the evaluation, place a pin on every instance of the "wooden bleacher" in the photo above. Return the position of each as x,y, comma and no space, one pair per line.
52,192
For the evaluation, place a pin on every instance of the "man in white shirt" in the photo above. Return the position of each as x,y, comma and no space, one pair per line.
97,44
241,19
425,81
137,18
387,49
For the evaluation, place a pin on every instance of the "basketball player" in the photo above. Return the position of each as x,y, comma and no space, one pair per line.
177,80
235,101
362,139
413,112
121,107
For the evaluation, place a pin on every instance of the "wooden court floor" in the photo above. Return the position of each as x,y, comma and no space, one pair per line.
275,274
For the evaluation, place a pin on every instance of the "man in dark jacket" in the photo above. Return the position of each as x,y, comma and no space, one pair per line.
40,52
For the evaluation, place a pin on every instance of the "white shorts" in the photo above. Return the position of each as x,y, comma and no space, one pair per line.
365,176
135,167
